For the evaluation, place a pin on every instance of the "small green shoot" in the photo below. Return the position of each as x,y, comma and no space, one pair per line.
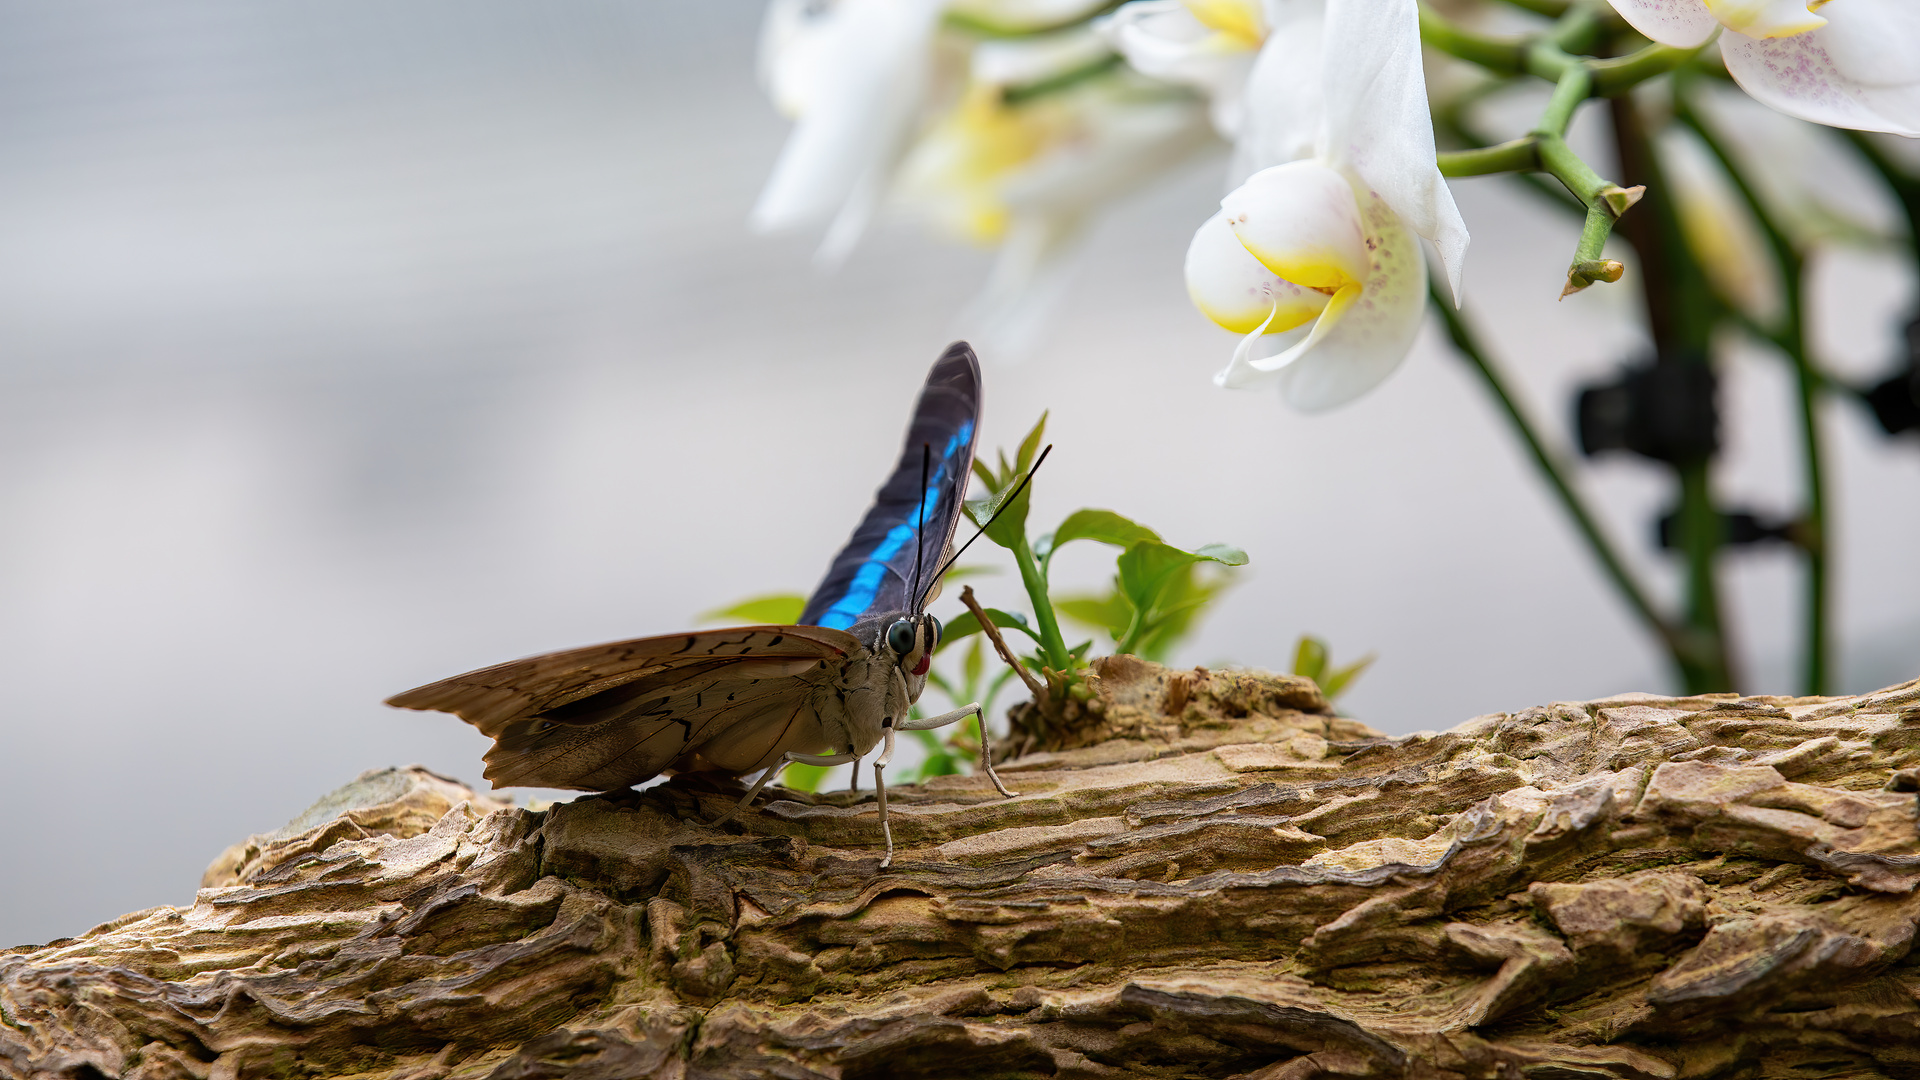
774,609
1312,659
1156,593
1157,596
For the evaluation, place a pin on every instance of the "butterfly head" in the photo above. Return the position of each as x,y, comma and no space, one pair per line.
912,639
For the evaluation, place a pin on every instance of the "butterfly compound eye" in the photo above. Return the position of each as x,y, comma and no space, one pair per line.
900,636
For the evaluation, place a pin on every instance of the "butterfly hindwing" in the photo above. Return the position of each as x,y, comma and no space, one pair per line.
607,716
869,579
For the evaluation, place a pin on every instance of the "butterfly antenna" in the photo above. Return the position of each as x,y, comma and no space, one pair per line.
920,522
1008,501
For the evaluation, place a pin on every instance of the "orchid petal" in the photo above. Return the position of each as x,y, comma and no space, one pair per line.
1858,71
1365,333
1766,18
1241,20
1117,146
1232,288
1282,119
1378,123
1162,39
1301,220
1682,24
864,79
1256,348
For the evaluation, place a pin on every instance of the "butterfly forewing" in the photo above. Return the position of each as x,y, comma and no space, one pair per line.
606,716
911,520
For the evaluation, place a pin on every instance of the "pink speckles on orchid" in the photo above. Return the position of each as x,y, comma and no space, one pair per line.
1852,65
1680,23
1318,262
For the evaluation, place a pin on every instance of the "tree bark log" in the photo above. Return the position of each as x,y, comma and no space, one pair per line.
1204,874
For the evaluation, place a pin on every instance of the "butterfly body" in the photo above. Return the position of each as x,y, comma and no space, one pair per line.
750,699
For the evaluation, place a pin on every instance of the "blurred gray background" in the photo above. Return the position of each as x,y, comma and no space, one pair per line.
344,347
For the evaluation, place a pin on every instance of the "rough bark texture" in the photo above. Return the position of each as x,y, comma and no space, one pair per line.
1204,874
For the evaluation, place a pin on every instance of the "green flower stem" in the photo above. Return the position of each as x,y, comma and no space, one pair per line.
989,28
1457,127
1053,647
1516,156
1505,56
1605,200
1552,9
1065,80
1619,74
1790,336
1576,80
1557,476
1681,315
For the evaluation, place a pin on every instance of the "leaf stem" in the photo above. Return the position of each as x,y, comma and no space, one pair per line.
1681,314
1507,56
1021,93
1052,645
1515,155
980,26
1790,336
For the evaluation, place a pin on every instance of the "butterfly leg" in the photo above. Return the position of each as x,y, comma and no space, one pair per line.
789,756
927,723
880,789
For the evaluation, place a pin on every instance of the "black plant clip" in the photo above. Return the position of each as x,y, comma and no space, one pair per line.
1664,411
1896,400
1738,528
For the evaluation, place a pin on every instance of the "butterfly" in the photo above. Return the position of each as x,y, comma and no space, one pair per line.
823,692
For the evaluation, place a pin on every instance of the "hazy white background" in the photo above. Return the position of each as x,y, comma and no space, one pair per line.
344,347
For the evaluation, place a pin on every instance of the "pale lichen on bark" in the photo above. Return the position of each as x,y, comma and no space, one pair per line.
1203,874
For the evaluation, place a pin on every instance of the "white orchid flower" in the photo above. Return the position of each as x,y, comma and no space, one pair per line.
1258,62
1331,241
1855,64
1206,44
854,74
1027,175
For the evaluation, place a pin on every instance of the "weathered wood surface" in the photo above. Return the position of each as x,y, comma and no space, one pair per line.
1207,875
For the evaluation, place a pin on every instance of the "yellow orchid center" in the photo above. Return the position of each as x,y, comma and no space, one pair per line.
963,158
1239,20
1768,18
1302,222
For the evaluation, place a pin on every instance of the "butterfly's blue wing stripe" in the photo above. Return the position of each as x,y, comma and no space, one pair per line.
868,581
865,586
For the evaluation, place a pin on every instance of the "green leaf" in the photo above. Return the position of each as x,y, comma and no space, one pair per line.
1310,658
985,472
1007,527
803,777
972,664
1146,569
959,572
1103,525
781,609
1179,607
964,624
1314,660
1222,553
1030,446
1339,680
1110,612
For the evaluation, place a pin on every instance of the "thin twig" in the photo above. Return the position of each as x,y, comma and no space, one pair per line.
987,627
